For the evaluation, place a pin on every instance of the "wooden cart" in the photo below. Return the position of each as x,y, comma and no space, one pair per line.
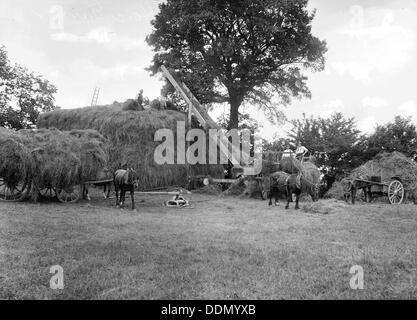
19,191
392,189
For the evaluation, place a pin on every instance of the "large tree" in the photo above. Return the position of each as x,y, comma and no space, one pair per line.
335,141
399,135
23,95
239,51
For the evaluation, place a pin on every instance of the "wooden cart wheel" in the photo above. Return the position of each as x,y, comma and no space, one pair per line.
70,194
396,192
47,192
14,193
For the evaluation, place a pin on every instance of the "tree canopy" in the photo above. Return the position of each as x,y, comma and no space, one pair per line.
398,135
23,95
340,147
335,141
239,51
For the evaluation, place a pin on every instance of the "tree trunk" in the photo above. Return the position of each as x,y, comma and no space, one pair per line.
235,103
234,117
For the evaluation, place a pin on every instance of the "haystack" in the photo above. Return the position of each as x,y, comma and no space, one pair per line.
131,137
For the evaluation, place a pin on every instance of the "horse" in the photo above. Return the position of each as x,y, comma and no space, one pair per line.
274,185
125,180
105,175
352,187
309,187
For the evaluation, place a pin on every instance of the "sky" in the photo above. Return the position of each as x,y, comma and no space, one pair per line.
79,45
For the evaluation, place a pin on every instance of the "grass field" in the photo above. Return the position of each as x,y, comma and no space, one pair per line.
222,248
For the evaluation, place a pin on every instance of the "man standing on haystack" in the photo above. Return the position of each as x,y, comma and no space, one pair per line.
300,152
140,98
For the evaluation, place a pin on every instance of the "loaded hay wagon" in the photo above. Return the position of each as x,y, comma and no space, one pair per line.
19,192
70,194
48,163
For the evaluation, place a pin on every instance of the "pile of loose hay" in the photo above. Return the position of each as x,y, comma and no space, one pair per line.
211,189
51,158
237,188
325,207
336,191
253,189
131,140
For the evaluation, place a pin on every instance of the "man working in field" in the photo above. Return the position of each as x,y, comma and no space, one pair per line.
291,165
140,98
298,162
300,152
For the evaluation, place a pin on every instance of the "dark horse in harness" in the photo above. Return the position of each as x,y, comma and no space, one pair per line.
307,187
275,185
125,180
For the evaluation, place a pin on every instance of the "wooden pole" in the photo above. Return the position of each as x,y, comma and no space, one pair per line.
187,144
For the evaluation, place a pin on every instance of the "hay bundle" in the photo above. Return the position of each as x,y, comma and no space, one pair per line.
131,105
325,207
131,140
237,188
290,165
15,159
311,172
157,105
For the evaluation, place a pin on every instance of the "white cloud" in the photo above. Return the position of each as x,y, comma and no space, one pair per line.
373,102
356,70
376,40
409,108
103,36
115,82
331,107
119,71
368,124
